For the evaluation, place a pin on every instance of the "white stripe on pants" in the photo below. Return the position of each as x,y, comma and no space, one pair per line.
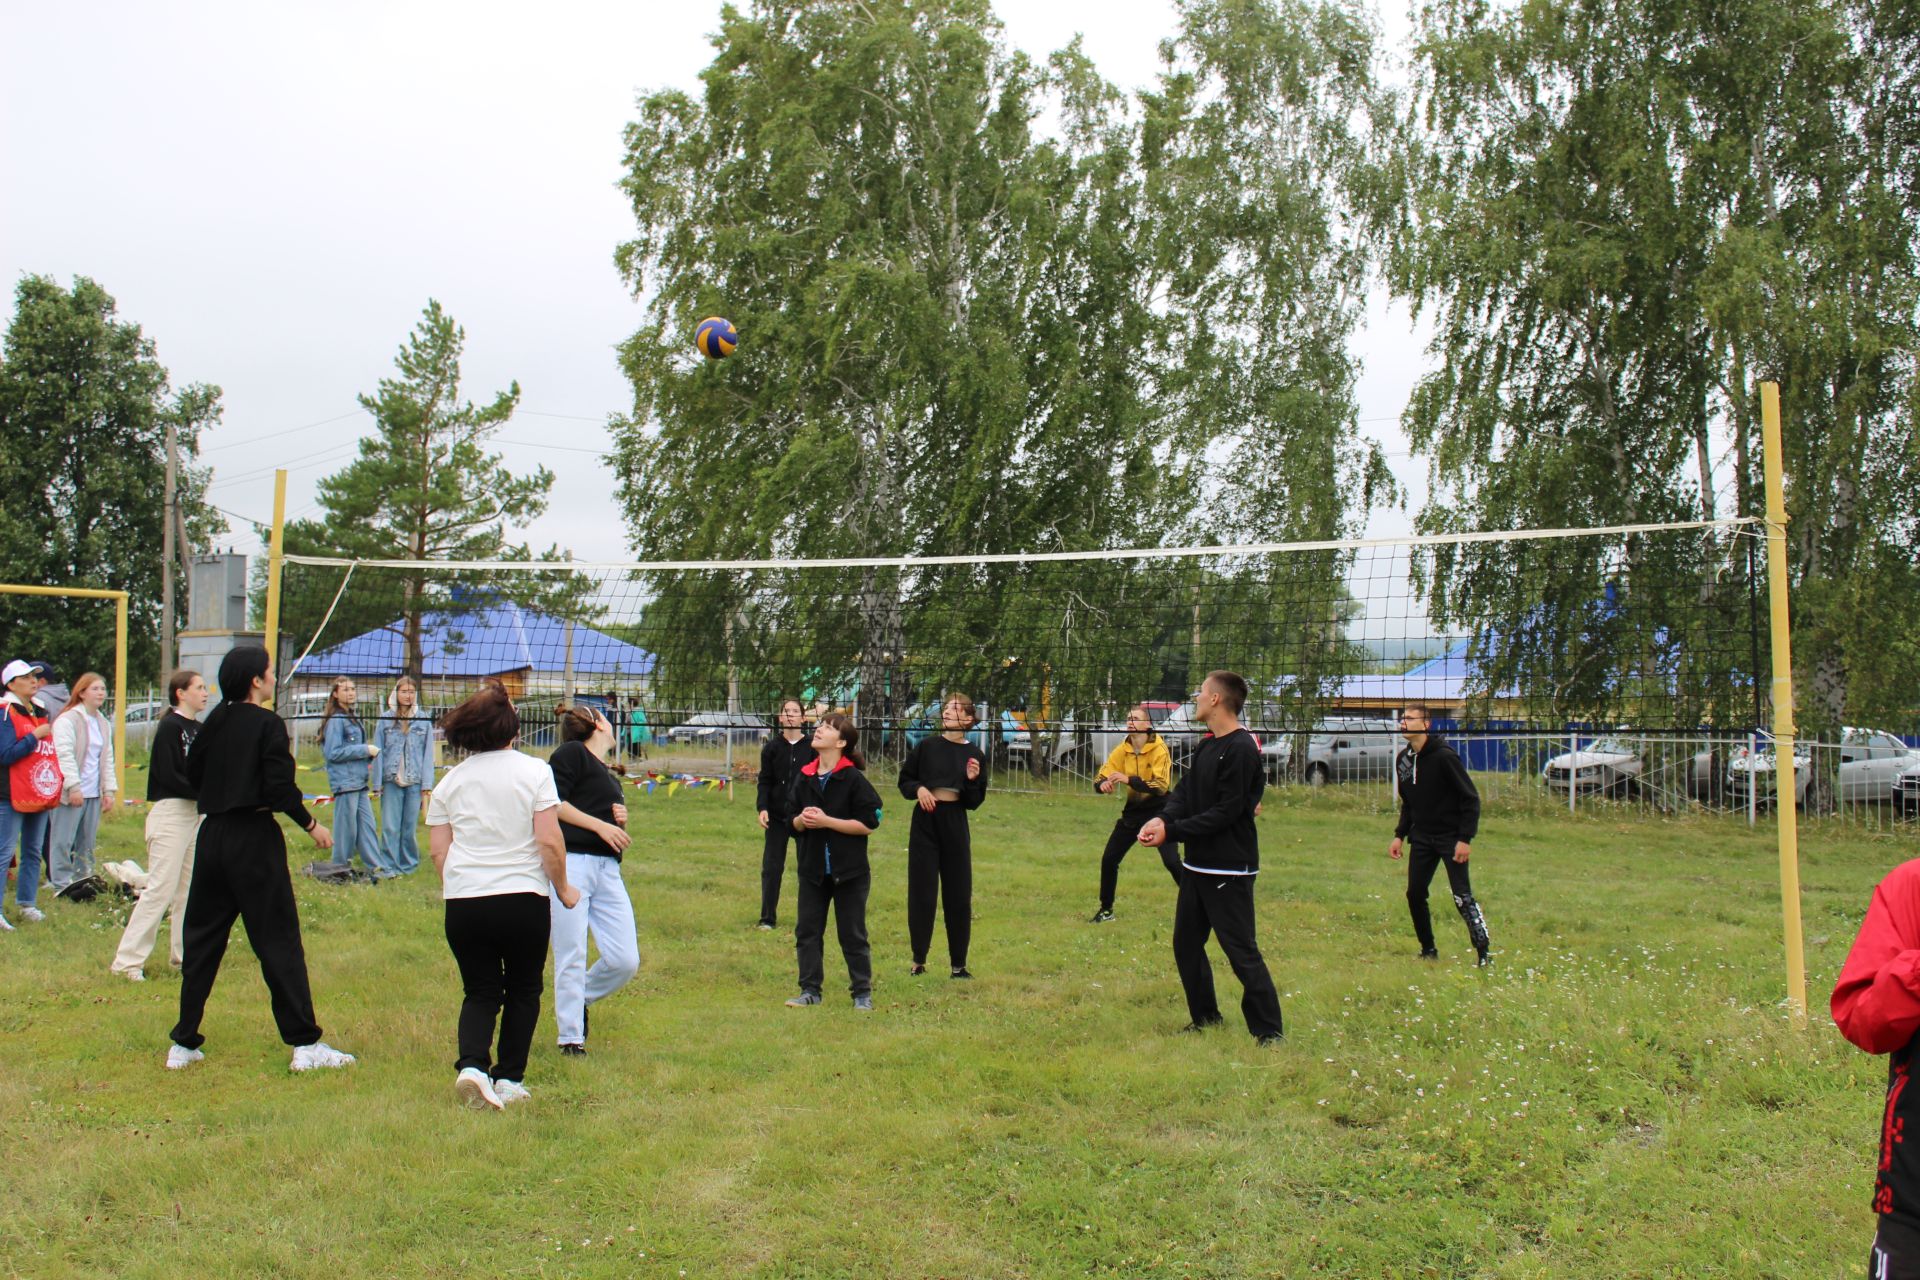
172,827
605,910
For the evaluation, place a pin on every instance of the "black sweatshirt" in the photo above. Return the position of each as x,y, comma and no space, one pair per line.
1211,809
583,780
940,764
167,769
1438,801
780,764
241,760
845,793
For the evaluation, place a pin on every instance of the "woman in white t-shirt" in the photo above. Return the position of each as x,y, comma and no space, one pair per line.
493,830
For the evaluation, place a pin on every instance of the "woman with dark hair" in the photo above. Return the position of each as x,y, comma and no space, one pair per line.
593,822
173,821
242,769
1142,765
946,778
780,762
493,831
349,757
834,809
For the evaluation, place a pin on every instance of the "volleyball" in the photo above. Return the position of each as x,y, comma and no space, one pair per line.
716,338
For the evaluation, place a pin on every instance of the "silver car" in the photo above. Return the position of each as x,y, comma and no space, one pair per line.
1609,766
1871,765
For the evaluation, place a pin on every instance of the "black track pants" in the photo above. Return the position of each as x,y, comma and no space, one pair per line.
1422,857
1222,906
1125,838
240,873
500,944
940,866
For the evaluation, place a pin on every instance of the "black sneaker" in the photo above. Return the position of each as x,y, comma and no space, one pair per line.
961,972
1430,954
916,970
1195,1028
1484,960
1102,916
573,1050
1273,1041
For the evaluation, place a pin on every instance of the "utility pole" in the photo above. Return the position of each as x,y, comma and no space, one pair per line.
167,554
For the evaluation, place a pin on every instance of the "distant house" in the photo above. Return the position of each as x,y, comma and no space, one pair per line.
1443,684
525,649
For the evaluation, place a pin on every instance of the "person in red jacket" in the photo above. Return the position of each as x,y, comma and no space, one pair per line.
1876,1005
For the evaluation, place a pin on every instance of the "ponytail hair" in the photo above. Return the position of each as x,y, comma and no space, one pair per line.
849,737
238,670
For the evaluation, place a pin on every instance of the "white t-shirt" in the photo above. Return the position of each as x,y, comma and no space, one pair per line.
489,800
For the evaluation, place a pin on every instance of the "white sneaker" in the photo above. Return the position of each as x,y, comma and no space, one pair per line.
309,1057
180,1057
5,927
510,1091
34,914
131,975
475,1090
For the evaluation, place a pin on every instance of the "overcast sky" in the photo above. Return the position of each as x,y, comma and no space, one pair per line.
273,192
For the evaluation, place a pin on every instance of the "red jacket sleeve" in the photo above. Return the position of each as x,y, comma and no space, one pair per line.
1876,1002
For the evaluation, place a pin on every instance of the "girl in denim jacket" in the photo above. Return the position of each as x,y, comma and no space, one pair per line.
404,774
349,757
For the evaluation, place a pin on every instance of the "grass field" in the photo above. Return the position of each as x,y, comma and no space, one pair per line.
1622,1095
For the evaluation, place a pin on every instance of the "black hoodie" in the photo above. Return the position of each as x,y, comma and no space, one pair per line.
1438,800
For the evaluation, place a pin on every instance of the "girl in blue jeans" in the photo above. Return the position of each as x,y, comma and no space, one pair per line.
403,775
349,757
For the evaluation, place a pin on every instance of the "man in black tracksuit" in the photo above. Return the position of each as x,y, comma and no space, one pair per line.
1440,811
781,760
1210,813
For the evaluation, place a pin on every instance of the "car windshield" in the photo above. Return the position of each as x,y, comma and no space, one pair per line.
1609,747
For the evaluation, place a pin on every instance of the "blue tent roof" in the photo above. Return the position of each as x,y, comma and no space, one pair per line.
1443,679
483,642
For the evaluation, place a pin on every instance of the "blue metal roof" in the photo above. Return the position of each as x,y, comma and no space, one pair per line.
483,642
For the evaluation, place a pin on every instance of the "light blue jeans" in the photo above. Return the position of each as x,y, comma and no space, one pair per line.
29,832
76,829
399,826
353,829
605,909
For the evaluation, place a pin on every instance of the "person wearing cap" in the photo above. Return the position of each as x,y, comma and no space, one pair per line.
24,732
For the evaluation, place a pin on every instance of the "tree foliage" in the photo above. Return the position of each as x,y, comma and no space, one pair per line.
84,409
424,488
964,334
1623,217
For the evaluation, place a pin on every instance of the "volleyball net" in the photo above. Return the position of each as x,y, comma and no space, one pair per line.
1557,637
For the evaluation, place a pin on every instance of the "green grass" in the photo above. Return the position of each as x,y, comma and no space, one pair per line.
1623,1095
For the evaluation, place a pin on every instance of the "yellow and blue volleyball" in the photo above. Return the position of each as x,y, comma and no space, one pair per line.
715,338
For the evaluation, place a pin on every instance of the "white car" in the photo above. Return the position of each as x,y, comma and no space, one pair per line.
1609,766
1872,762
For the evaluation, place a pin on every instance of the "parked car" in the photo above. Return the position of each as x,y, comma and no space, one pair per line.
1609,766
716,728
142,718
1351,750
1871,764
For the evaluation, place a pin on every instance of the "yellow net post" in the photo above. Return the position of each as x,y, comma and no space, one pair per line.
1785,781
276,551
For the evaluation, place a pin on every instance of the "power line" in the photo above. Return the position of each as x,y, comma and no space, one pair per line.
275,435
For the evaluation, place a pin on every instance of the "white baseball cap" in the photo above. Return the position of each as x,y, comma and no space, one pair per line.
15,669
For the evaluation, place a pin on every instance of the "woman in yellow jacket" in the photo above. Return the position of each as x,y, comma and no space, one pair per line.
1141,769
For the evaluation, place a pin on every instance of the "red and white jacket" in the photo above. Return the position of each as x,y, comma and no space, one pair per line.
1876,1005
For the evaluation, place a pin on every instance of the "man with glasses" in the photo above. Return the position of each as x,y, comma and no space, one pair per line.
1439,817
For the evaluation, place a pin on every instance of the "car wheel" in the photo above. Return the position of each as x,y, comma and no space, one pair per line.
1317,775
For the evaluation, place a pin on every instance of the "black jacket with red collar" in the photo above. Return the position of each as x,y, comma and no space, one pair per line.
844,793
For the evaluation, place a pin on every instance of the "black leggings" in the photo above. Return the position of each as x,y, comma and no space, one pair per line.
1423,857
940,865
240,873
1126,835
773,865
500,944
